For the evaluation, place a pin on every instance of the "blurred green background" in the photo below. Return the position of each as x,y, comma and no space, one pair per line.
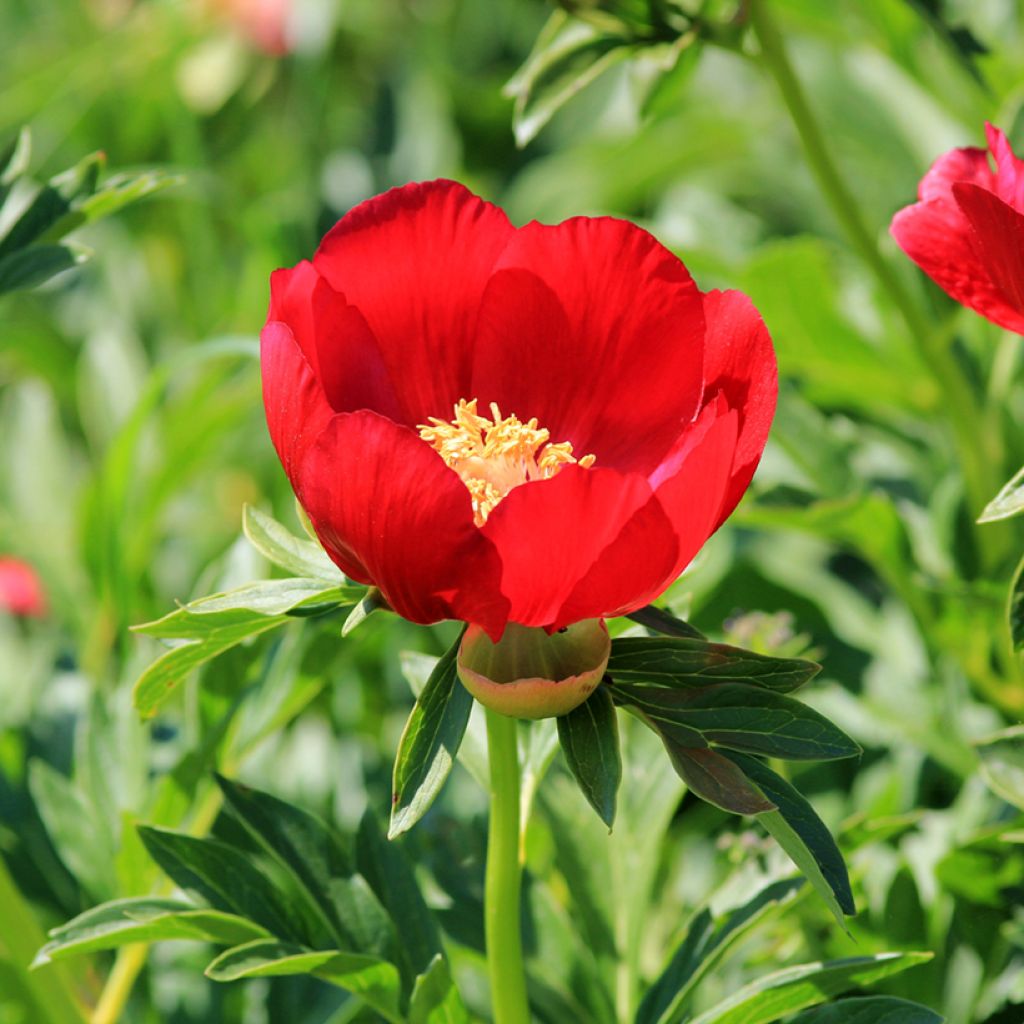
132,434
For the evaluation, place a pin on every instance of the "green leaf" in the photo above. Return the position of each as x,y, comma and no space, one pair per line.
28,268
870,1010
51,203
372,601
374,980
116,193
743,718
222,876
314,857
84,843
803,835
145,919
280,546
1008,502
385,867
214,624
705,943
251,603
715,779
429,743
1002,764
682,662
661,621
796,988
590,741
435,999
14,158
568,56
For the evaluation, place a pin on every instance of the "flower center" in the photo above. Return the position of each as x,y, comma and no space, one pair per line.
494,455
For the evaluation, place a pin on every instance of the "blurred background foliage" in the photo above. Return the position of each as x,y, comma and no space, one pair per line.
133,433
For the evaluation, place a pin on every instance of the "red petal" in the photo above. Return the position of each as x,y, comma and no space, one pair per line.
291,303
597,330
695,484
379,496
551,534
938,237
415,262
739,364
1009,177
999,245
338,345
295,404
352,369
966,164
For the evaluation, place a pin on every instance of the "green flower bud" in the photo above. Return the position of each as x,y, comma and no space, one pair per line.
531,674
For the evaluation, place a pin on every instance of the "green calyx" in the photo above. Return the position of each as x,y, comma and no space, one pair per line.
531,674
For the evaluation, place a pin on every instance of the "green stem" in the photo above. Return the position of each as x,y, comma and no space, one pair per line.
504,876
979,457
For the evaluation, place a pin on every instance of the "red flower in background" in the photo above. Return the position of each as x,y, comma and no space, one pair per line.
21,592
967,232
537,425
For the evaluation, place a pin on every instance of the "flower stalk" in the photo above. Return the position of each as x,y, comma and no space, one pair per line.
979,458
504,876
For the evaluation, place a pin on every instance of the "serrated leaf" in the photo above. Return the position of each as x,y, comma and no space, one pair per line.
743,718
145,919
661,621
705,943
1002,764
796,988
802,834
682,662
280,546
222,876
374,980
590,741
314,857
715,779
870,1010
28,268
1008,502
435,999
429,743
384,866
566,59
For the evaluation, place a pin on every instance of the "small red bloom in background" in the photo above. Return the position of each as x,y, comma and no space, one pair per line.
21,592
263,22
535,425
967,231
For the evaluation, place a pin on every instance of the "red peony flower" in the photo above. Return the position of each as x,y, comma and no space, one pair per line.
21,593
967,232
535,425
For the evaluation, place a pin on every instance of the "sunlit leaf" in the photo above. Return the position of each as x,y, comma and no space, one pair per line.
1002,764
277,544
429,743
796,988
145,919
684,662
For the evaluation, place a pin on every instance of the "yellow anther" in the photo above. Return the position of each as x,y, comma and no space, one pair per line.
494,455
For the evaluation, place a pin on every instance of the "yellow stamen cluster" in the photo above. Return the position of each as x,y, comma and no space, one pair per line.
494,455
